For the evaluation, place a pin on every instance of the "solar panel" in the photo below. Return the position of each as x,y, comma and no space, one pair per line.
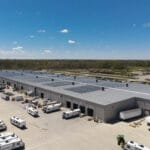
38,80
84,89
57,84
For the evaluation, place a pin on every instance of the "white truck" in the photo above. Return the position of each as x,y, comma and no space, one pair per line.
51,108
71,114
129,114
33,111
5,97
10,141
2,126
18,122
130,145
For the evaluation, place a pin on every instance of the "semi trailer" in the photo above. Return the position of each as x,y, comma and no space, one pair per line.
129,114
51,108
71,114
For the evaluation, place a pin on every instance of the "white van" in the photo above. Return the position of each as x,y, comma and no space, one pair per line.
18,122
33,111
2,126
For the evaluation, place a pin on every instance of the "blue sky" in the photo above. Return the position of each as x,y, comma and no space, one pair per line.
75,29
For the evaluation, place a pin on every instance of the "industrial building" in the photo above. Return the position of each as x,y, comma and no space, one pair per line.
102,99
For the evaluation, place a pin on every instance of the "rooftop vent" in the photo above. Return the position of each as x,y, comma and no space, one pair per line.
73,83
127,84
103,88
36,76
74,77
96,80
52,79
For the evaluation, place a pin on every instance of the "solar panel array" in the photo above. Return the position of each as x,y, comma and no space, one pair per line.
84,89
57,84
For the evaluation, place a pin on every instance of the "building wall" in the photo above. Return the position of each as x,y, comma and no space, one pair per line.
144,105
106,113
112,111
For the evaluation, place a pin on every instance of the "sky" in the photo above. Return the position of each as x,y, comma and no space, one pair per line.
74,29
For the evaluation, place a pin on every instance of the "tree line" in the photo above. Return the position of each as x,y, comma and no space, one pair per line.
73,64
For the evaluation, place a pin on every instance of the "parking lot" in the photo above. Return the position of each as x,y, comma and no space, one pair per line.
50,131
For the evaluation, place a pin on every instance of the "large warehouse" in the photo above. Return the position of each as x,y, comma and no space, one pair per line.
102,99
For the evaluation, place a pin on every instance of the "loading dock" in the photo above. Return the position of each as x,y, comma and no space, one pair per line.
75,106
82,108
90,112
35,91
68,104
42,95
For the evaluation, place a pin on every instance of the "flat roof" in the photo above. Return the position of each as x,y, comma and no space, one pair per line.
85,88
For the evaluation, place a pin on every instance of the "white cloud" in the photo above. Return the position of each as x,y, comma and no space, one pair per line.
41,31
71,41
146,25
31,36
47,51
17,50
64,31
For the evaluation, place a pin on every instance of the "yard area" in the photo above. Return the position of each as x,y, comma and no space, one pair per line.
50,131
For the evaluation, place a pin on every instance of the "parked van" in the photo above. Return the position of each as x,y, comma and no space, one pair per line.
18,122
33,111
2,126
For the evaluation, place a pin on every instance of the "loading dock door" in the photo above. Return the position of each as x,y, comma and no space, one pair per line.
90,112
82,108
35,91
42,95
68,104
75,106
